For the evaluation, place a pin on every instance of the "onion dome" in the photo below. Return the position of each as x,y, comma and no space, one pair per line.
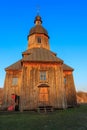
38,29
38,20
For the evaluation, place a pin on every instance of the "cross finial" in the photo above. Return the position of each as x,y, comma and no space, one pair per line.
38,10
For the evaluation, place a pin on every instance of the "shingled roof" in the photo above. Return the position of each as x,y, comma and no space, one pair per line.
15,66
38,29
40,55
66,67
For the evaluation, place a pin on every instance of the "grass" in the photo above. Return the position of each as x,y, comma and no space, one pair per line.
69,119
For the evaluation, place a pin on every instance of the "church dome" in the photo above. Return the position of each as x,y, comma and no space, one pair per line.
38,27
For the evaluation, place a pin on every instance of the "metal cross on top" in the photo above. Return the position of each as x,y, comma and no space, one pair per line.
38,10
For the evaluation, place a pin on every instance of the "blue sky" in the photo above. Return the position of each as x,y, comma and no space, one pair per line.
66,23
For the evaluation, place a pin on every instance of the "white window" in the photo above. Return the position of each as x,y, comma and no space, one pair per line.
43,75
14,81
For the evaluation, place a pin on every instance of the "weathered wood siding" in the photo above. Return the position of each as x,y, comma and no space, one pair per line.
31,81
70,91
60,95
9,89
32,41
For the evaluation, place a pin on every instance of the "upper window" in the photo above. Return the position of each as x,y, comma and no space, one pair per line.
14,81
43,75
38,39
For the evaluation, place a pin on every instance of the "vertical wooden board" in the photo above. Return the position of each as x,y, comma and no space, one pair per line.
70,91
61,99
52,86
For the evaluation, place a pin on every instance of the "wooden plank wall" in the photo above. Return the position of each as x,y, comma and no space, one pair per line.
31,81
60,95
70,91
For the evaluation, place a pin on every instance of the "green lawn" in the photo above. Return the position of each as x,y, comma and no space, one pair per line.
70,119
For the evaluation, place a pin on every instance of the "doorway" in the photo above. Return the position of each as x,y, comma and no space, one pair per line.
43,96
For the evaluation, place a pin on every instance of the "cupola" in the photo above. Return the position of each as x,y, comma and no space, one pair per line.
38,35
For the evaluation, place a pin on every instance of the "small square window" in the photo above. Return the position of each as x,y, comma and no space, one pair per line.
14,81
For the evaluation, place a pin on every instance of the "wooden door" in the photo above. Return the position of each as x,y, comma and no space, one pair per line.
43,96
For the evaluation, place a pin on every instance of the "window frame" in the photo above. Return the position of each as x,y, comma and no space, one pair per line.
14,81
39,39
43,75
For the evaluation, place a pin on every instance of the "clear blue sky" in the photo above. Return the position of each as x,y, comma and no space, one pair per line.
66,23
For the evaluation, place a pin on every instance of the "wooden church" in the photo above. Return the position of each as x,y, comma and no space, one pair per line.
40,78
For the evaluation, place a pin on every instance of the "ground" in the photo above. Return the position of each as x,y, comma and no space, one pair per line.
69,119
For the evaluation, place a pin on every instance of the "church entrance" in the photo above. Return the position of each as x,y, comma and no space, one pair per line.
17,100
43,98
14,104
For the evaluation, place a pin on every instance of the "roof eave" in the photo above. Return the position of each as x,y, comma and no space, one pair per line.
42,61
37,33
